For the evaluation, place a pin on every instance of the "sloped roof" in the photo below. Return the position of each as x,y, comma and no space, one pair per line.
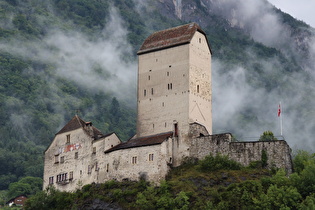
142,141
75,123
170,38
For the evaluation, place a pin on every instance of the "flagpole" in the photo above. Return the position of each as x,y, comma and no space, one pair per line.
280,115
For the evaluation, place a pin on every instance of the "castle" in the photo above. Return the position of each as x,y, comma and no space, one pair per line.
174,121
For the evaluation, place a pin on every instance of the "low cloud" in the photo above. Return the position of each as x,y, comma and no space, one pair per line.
102,64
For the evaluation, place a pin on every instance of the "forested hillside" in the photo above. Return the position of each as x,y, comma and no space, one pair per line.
64,57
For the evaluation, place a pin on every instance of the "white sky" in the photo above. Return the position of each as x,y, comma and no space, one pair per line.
299,9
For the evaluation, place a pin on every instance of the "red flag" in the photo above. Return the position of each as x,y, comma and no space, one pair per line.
279,111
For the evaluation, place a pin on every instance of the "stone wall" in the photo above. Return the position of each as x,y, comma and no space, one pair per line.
278,152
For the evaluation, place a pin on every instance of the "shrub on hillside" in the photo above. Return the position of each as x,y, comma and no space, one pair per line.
218,162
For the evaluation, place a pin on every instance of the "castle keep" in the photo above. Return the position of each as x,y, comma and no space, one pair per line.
174,121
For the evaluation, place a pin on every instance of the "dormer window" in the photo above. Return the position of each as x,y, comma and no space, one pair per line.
68,139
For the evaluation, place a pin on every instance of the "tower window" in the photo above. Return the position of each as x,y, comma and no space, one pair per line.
149,77
170,86
150,157
197,88
168,73
175,129
76,155
152,91
144,92
199,40
170,66
134,160
68,139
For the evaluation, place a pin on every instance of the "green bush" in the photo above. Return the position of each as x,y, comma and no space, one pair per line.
218,162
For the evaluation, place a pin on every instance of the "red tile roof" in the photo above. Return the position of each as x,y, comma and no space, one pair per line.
142,141
170,38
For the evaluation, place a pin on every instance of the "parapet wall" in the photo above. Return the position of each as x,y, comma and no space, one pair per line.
278,152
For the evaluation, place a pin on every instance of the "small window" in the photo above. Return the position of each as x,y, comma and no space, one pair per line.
107,167
165,124
152,91
51,180
62,159
150,157
169,66
56,158
89,169
94,150
96,166
68,139
76,155
71,175
144,92
168,73
163,104
197,88
199,40
134,160
149,77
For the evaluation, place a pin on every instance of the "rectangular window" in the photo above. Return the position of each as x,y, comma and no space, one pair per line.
76,155
89,169
152,91
168,73
134,160
96,166
94,150
71,175
68,139
51,180
175,130
62,159
56,158
107,167
144,92
150,157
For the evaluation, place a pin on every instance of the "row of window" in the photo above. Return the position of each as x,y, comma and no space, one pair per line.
76,156
135,158
61,178
169,87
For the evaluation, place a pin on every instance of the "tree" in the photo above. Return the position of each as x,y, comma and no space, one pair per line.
267,136
26,186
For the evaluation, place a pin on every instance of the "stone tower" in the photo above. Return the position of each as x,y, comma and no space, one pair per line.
174,83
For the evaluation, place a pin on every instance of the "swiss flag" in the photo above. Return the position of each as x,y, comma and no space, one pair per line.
279,111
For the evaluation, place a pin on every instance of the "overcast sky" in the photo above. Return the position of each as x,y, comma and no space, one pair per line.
299,9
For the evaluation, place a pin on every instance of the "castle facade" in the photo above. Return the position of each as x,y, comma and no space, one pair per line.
174,121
